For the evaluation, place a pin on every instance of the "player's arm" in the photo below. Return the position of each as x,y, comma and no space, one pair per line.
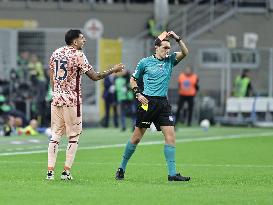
183,48
86,68
137,92
138,74
92,74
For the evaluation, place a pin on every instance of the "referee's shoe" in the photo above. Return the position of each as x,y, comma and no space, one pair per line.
178,177
120,174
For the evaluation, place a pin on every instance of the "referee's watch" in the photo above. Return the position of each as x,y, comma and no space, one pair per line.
179,39
137,95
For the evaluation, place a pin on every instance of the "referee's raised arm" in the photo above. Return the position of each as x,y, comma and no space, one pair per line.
183,48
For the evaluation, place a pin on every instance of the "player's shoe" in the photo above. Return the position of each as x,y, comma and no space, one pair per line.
178,177
120,174
66,175
50,175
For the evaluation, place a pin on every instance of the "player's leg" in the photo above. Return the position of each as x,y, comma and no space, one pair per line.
166,123
180,106
131,145
115,114
129,151
143,121
53,147
73,125
169,152
190,109
169,148
132,106
107,113
70,156
177,114
57,127
122,115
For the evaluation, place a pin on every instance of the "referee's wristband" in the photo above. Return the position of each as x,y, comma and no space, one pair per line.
179,39
136,90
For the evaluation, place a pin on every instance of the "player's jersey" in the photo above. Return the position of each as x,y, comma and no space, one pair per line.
155,74
68,65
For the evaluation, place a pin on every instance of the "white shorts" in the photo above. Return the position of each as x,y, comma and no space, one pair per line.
64,120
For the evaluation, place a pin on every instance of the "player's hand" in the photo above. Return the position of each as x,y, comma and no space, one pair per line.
118,68
142,99
173,35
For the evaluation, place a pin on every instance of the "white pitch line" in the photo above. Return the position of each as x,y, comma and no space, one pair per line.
235,136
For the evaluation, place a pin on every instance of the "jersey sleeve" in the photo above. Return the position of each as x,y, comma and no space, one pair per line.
139,70
83,63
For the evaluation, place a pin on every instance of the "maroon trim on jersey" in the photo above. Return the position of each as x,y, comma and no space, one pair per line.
74,142
53,141
78,93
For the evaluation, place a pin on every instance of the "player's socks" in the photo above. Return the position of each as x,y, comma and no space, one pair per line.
53,147
169,151
129,150
71,152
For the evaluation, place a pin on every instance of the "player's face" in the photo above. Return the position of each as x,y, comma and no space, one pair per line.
79,42
164,49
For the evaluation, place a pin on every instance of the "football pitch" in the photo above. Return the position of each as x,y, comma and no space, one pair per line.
226,165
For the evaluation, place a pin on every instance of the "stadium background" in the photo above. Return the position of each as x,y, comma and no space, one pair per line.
228,165
205,25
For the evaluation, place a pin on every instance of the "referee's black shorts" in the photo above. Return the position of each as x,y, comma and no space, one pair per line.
159,112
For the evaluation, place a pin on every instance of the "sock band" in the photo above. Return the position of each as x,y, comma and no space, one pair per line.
74,142
54,141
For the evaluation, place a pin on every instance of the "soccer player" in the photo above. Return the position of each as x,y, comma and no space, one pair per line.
153,106
67,65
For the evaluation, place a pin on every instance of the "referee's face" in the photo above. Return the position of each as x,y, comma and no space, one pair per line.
164,49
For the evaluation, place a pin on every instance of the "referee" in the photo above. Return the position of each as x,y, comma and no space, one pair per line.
153,106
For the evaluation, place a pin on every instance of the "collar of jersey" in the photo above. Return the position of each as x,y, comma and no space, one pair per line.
159,59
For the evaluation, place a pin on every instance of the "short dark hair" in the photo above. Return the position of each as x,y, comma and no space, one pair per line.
71,35
158,41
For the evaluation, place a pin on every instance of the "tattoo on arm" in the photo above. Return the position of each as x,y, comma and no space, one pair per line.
98,75
104,73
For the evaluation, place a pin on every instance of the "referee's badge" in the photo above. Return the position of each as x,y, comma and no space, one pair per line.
171,118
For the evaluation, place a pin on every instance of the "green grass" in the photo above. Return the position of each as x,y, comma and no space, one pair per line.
227,166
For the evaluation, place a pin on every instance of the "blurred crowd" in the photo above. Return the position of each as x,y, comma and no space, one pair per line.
119,98
151,1
25,97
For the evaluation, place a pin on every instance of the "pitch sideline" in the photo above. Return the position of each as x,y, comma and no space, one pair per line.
223,137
